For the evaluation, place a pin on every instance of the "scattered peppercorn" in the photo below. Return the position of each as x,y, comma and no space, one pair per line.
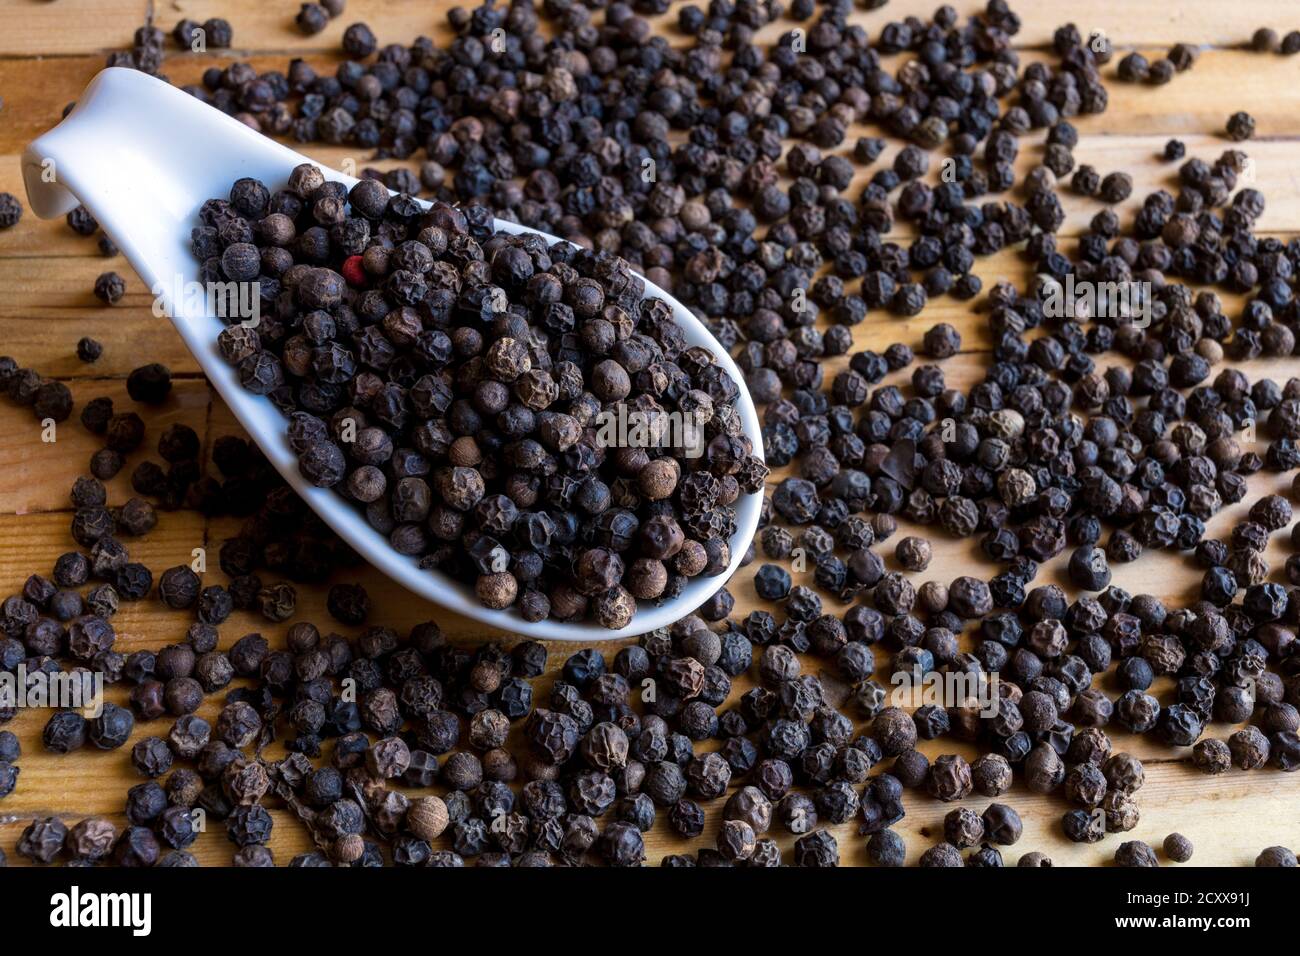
88,350
1241,126
1276,856
11,210
110,288
149,384
1178,848
312,18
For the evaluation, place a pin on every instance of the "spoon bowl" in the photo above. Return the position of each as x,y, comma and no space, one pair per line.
142,157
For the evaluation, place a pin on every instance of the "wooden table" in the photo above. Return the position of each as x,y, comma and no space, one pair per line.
48,52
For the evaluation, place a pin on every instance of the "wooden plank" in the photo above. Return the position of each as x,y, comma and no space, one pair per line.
44,336
91,27
1147,25
69,26
1198,101
66,287
34,541
1229,819
270,26
36,91
43,314
39,473
48,343
1270,170
1137,153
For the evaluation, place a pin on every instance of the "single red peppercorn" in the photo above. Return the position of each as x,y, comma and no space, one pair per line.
353,272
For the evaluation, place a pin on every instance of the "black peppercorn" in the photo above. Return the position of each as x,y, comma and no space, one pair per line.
110,288
11,210
1241,126
1135,853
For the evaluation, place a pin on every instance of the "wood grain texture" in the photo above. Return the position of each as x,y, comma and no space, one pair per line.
94,26
39,28
49,52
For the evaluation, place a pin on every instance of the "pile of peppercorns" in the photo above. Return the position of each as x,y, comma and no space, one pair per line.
452,382
312,18
1136,68
48,399
11,210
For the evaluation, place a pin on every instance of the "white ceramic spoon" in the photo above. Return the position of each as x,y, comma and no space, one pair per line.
142,156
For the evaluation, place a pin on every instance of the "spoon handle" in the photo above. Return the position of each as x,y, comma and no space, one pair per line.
142,155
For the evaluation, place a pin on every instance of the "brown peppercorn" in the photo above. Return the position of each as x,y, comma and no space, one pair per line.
388,758
691,559
963,828
950,778
991,775
348,848
736,841
427,818
610,381
1116,187
614,608
1085,784
658,479
646,578
913,553
499,764
1002,824
110,288
1250,748
464,452
1240,126
942,855
1120,811
1278,855
1044,770
1135,854
1123,772
91,839
1161,72
497,590
1212,756
895,731
1178,848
